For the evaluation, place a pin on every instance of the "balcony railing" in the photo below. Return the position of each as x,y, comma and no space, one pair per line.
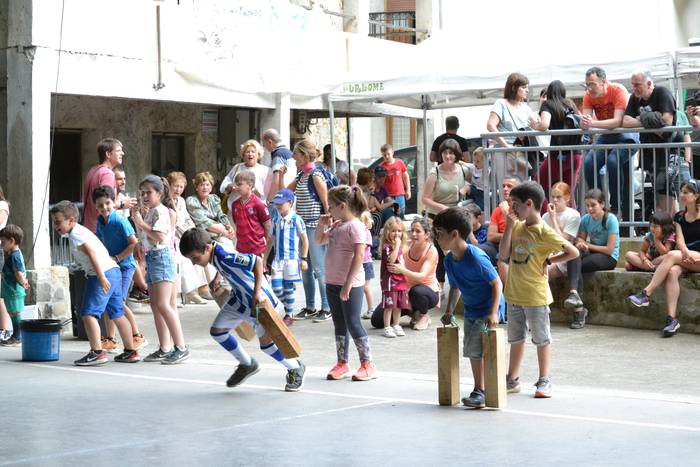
393,26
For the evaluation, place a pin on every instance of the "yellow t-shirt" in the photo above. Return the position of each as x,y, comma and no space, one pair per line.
528,284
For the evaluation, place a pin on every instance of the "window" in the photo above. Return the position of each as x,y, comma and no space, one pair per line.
167,153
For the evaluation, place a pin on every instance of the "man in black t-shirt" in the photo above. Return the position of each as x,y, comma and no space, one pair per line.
451,125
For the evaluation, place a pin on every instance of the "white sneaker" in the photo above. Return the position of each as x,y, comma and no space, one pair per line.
389,332
367,314
398,330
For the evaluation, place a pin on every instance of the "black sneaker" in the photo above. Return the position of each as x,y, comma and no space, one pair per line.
178,355
242,373
295,378
128,356
11,342
306,313
477,399
157,356
324,315
92,358
671,327
573,300
579,319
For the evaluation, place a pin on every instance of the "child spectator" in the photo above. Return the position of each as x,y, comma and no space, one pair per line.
394,286
471,275
477,191
103,287
244,272
14,280
565,221
365,180
368,263
528,243
119,237
155,230
346,239
250,217
398,185
660,239
289,260
387,204
479,232
497,225
598,241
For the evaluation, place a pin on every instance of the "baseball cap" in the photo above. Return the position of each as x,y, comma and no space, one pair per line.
284,195
380,171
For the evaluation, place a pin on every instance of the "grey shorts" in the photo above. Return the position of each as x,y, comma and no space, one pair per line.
473,332
534,317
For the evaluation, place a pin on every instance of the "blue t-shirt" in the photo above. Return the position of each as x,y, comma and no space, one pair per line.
14,262
481,234
472,275
597,235
114,234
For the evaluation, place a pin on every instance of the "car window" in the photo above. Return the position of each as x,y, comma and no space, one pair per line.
410,161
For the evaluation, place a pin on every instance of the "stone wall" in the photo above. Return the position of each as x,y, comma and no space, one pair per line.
50,291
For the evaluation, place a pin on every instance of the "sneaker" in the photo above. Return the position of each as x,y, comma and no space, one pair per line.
477,399
339,371
295,378
11,342
367,314
389,332
579,318
157,356
288,320
92,358
178,355
139,341
573,300
128,356
323,315
4,335
671,327
543,388
640,299
512,385
138,296
366,372
242,373
306,313
109,345
398,330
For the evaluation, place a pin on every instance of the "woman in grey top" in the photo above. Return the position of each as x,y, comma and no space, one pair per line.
205,210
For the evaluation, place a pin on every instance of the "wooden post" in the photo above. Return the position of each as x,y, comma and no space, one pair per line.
278,331
448,365
495,368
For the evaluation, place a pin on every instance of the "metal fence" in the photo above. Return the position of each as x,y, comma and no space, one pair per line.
637,178
61,254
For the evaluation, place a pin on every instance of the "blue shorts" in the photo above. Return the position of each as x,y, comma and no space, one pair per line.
369,270
96,300
160,266
127,275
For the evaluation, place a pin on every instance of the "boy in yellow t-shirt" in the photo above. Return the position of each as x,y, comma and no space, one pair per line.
528,243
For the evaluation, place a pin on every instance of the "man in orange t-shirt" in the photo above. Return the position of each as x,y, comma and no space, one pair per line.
604,105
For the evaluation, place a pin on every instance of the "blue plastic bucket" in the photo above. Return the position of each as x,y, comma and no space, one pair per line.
41,339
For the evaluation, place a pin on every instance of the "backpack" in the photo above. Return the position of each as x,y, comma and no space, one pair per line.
328,177
572,121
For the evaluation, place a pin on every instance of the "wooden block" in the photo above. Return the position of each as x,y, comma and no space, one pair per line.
448,365
495,368
245,331
278,331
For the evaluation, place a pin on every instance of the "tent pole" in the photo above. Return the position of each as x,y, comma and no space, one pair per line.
331,116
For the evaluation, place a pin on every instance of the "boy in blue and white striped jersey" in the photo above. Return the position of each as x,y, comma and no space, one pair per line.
288,231
244,272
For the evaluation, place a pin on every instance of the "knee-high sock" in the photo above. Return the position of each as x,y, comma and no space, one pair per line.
288,297
228,342
362,344
272,350
15,318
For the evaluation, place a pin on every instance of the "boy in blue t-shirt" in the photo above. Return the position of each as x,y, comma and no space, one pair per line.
244,271
118,236
472,275
14,280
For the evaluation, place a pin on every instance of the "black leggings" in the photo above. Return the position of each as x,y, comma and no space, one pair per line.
588,262
422,299
440,270
346,315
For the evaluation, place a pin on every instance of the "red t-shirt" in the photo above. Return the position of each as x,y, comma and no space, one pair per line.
249,219
604,107
96,176
394,177
499,219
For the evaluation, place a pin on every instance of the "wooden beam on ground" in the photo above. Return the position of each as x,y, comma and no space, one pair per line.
495,368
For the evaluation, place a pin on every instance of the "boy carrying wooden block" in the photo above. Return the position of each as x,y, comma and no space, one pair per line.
472,275
248,289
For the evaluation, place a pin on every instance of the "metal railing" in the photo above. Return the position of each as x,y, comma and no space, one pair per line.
636,178
394,26
61,254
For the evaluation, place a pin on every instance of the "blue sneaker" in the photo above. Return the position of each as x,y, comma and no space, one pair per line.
672,325
640,299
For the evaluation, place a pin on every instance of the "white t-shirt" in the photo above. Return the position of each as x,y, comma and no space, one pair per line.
512,119
4,207
158,219
569,221
262,180
83,236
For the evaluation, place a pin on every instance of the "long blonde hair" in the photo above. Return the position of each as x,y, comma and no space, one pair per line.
389,225
366,218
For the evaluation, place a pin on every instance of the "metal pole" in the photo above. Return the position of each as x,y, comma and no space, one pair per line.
349,154
331,116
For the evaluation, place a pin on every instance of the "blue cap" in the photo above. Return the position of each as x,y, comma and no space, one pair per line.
284,195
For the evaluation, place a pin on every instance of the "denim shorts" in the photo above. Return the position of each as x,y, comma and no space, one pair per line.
160,266
96,300
369,270
534,317
473,332
127,275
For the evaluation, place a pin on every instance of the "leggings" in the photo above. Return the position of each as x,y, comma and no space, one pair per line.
346,320
588,262
422,298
